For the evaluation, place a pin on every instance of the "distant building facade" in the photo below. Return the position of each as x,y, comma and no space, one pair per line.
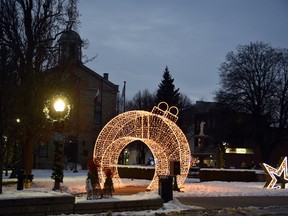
94,102
226,139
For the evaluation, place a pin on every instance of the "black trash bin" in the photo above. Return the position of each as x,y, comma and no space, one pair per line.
21,178
165,187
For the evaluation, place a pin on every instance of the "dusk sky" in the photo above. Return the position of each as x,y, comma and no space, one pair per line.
134,40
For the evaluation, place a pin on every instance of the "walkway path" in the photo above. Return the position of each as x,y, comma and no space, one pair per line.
230,202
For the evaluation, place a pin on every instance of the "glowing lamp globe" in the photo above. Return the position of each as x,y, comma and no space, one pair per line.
59,105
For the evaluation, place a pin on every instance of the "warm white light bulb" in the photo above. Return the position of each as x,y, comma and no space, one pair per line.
59,105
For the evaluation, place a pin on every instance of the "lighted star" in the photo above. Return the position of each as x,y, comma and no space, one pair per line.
272,174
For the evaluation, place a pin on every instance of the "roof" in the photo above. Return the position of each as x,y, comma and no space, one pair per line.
70,35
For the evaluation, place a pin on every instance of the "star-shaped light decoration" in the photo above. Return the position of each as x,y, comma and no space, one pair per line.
274,174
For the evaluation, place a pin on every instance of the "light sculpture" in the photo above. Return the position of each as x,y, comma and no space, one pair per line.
272,173
157,129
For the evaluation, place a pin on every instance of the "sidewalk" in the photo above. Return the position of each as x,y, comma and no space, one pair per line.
232,202
231,206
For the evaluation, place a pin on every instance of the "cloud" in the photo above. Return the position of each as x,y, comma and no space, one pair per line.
135,40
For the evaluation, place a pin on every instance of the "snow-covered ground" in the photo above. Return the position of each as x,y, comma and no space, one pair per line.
74,183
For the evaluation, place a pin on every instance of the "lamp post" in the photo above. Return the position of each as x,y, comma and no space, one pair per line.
76,155
58,166
57,110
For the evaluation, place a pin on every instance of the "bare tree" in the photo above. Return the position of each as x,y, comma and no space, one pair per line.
30,31
249,80
281,111
184,101
143,100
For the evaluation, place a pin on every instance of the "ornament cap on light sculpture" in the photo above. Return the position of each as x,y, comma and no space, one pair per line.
272,173
157,129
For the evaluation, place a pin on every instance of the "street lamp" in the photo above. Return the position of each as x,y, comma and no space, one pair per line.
57,110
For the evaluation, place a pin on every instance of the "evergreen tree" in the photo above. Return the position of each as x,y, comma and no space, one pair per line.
166,90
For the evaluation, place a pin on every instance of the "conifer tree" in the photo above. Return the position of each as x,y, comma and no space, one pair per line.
166,90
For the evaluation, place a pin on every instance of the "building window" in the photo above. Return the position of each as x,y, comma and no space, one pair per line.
43,150
97,112
239,151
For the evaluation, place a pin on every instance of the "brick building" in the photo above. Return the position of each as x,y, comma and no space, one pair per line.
94,102
228,139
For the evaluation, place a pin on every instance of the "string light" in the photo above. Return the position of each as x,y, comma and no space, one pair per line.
272,173
157,129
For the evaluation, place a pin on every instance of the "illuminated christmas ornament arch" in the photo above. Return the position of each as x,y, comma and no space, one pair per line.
157,129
